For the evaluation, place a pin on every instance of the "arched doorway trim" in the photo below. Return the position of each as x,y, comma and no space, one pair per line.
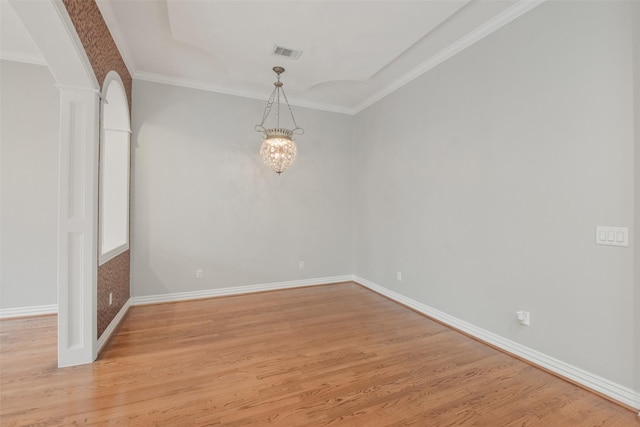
114,169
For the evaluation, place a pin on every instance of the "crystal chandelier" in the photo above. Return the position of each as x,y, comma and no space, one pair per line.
278,149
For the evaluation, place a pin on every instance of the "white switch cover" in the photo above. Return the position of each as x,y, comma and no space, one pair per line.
524,317
612,236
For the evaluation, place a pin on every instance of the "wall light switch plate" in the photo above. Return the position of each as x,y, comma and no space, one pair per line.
524,317
612,236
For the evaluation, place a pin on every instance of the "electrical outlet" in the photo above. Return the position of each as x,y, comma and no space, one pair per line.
199,273
399,276
301,265
110,298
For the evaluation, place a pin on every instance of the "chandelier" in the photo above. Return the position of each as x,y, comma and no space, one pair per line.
278,148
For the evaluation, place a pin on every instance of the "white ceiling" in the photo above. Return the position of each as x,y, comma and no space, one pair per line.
15,42
354,51
341,41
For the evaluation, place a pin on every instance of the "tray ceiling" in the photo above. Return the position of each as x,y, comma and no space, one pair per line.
354,51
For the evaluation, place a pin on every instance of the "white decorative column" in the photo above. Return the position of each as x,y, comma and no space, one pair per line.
77,226
51,28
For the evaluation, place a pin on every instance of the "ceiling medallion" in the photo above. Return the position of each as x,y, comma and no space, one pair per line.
278,148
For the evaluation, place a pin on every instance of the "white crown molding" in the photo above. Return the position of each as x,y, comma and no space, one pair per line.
591,381
7,55
238,290
37,310
113,326
210,87
494,24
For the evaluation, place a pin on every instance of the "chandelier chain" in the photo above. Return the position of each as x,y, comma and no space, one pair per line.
278,102
267,109
291,112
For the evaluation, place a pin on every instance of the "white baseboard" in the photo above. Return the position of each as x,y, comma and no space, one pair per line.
238,290
38,310
594,382
106,334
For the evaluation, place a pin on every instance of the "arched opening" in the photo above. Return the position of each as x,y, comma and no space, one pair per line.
114,169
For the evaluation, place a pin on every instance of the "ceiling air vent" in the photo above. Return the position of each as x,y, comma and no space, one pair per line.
286,52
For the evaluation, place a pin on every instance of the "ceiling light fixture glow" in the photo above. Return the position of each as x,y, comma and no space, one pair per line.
278,148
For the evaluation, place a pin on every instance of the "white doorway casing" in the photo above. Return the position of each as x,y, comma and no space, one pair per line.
51,28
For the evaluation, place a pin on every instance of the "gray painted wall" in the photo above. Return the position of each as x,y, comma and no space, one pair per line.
636,239
29,115
483,181
202,197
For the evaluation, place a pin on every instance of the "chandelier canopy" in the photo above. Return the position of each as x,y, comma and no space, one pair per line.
278,148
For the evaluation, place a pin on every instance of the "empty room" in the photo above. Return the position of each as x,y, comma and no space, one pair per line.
322,212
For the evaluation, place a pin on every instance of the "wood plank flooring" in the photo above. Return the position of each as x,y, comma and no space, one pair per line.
326,355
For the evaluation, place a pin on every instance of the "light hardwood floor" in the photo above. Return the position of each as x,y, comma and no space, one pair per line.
326,355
